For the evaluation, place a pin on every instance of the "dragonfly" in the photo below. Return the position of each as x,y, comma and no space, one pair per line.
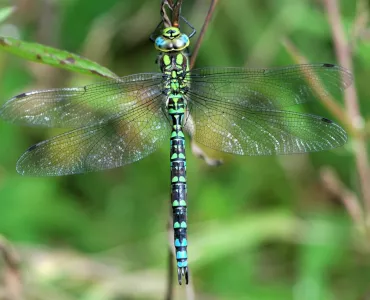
241,111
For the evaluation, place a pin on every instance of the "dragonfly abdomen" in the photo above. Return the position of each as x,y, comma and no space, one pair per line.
176,110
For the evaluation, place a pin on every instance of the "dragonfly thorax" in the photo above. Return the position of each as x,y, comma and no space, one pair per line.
171,39
175,67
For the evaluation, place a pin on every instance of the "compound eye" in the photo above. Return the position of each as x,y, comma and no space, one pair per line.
171,40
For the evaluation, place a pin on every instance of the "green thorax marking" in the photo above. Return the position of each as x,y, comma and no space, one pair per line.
176,67
173,60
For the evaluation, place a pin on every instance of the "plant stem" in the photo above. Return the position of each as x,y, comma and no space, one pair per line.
202,33
343,53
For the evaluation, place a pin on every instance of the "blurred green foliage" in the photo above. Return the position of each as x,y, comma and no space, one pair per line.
259,227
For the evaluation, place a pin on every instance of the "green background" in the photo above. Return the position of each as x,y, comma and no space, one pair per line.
259,227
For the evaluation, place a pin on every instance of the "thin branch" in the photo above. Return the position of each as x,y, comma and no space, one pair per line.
343,53
344,57
12,276
176,13
199,153
202,33
171,258
333,184
189,290
165,18
359,24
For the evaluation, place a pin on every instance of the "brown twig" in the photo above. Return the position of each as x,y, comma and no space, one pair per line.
12,276
333,184
202,33
344,57
176,13
189,290
171,257
171,267
343,54
360,22
165,18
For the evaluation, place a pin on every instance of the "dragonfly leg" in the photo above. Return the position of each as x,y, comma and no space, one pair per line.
191,26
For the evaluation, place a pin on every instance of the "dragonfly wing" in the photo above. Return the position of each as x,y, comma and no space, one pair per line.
83,106
273,88
119,141
259,131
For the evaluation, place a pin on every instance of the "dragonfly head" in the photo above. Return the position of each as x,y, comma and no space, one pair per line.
171,39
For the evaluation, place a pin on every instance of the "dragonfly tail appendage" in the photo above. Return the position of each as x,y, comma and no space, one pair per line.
183,272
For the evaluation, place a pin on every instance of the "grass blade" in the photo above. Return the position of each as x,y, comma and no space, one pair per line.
54,57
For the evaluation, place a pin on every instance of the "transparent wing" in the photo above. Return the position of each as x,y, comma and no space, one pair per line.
273,88
82,106
262,132
238,111
119,141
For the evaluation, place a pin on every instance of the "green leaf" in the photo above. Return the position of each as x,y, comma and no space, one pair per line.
54,57
215,241
5,12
